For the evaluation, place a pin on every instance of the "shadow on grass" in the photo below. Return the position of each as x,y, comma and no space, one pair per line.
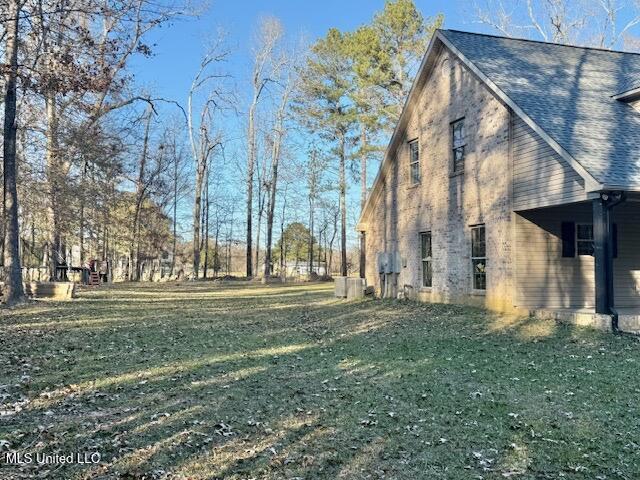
228,381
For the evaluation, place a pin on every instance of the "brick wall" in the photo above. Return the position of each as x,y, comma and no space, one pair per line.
447,204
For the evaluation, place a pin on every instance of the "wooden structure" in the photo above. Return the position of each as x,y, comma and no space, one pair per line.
51,290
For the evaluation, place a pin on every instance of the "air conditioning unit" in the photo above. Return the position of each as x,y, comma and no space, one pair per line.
397,262
355,288
382,261
390,262
340,284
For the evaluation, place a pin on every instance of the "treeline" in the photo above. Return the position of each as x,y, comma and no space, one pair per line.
94,167
238,175
73,137
340,99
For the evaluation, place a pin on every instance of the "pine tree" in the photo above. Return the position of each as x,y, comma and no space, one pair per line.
326,84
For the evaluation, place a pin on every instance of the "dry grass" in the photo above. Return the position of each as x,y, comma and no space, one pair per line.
246,381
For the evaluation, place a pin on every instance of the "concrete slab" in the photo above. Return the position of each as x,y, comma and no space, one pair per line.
578,317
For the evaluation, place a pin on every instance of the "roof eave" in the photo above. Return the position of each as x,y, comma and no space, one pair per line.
591,184
628,96
623,188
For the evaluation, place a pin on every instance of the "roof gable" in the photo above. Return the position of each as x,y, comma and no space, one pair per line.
568,92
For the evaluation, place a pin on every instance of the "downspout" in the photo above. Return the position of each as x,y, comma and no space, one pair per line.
615,199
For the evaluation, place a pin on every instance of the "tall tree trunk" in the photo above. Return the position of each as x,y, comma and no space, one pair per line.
324,253
54,167
249,252
230,232
175,212
363,192
270,33
81,230
33,243
203,218
343,207
283,272
132,273
105,219
54,173
333,238
14,291
197,206
363,167
271,203
270,209
82,214
251,159
206,225
311,208
134,247
261,196
216,255
228,259
319,250
275,160
138,260
255,266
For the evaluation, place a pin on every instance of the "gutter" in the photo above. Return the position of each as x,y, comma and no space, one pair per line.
628,95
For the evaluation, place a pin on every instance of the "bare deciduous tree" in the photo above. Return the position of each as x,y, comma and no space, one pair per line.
599,23
77,55
152,167
204,137
270,32
289,84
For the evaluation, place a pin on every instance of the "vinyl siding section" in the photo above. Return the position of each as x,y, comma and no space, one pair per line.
545,279
627,265
541,177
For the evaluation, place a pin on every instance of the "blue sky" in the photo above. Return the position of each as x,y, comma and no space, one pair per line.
178,49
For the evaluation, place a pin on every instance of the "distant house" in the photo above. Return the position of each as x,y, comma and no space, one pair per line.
296,269
512,181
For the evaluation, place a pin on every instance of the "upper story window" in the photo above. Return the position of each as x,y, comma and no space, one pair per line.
479,257
414,162
458,144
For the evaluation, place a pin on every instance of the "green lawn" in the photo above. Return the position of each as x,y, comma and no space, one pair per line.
235,381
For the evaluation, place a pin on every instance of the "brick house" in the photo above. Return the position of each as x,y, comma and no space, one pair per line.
511,181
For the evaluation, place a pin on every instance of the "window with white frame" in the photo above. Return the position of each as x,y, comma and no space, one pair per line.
414,162
479,257
425,253
584,238
458,145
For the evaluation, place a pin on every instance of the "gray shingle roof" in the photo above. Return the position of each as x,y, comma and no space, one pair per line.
567,92
632,84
